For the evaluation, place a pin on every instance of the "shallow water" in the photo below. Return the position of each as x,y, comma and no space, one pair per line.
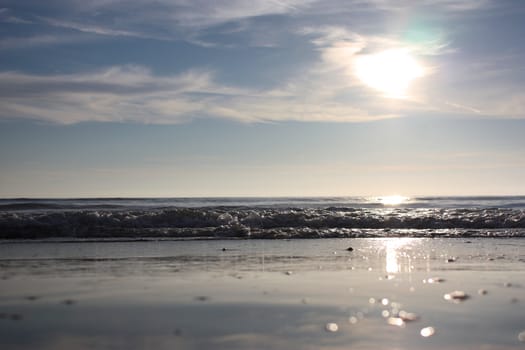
262,294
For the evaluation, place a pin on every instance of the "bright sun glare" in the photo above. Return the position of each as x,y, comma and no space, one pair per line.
390,72
393,200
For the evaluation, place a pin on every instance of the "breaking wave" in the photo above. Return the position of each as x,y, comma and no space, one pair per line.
260,222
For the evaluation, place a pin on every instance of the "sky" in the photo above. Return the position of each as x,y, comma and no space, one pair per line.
184,98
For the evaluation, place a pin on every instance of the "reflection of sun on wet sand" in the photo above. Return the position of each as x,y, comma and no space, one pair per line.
384,293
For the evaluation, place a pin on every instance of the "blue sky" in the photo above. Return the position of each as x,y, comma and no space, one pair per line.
261,98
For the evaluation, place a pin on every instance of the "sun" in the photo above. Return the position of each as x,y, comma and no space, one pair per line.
389,72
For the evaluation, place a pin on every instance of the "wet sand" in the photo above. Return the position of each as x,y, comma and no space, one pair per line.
264,294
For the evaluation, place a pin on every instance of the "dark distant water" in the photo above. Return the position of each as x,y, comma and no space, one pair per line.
172,218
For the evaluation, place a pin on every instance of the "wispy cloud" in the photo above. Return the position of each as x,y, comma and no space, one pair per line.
443,5
175,19
494,81
7,17
133,94
92,29
340,48
186,20
460,5
463,107
202,13
325,89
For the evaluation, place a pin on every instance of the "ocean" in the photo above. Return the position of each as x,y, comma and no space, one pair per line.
227,273
256,218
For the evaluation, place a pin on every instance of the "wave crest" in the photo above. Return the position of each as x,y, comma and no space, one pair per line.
221,222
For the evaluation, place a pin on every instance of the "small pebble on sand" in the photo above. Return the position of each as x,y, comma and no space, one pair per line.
456,296
396,321
434,280
408,316
331,327
427,332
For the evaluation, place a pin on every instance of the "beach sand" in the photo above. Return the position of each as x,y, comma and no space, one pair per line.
264,294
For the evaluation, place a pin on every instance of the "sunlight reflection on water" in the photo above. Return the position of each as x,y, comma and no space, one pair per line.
398,256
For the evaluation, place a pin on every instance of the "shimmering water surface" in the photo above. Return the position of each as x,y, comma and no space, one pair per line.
384,293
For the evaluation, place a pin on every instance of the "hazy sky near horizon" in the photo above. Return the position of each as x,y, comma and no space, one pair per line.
261,98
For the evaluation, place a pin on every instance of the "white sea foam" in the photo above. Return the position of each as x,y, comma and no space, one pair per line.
259,218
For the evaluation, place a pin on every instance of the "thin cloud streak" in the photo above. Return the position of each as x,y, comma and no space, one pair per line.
93,29
183,20
445,5
133,94
7,17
